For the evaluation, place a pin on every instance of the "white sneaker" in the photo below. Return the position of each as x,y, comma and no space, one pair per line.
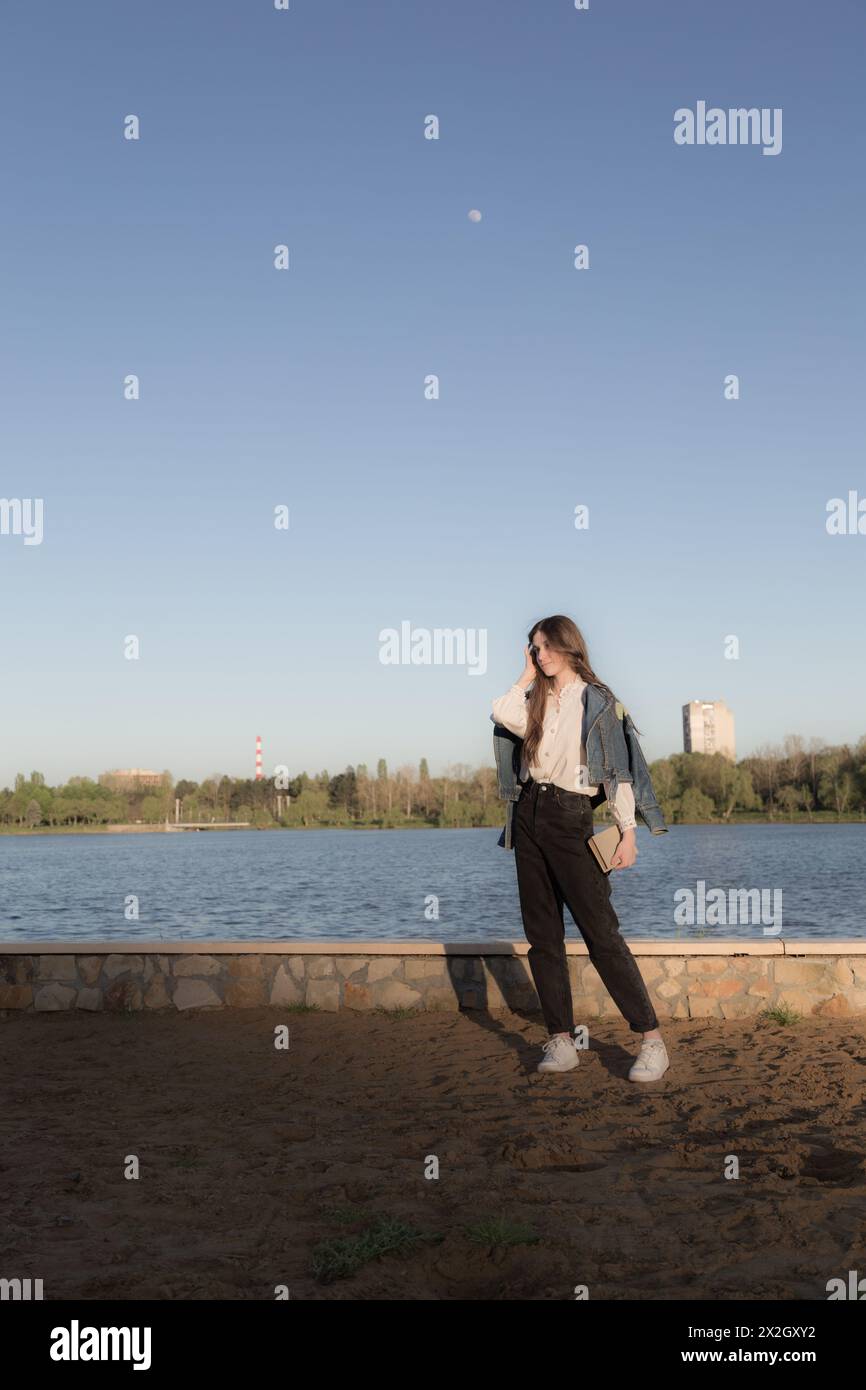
560,1054
652,1061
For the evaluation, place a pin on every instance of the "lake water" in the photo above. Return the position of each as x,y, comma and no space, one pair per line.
364,885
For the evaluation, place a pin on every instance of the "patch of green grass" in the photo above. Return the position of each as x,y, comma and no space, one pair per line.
300,1008
780,1013
345,1255
399,1012
498,1230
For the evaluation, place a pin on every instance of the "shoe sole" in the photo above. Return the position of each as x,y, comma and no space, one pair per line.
650,1078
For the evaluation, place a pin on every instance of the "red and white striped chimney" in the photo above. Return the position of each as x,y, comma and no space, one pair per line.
258,757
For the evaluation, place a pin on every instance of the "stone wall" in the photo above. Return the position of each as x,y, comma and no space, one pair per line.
707,980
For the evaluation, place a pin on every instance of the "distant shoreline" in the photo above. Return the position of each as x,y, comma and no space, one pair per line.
827,819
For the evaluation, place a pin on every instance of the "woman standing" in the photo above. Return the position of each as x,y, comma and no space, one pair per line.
555,865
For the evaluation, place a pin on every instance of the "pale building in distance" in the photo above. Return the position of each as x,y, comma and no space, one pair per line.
125,778
708,727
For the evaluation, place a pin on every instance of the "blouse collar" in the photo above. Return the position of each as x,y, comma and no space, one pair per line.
573,685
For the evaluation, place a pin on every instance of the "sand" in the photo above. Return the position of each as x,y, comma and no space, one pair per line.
250,1157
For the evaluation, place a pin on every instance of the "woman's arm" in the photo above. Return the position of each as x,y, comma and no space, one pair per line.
510,710
622,807
623,813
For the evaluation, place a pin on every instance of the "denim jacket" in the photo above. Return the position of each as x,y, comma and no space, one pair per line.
613,755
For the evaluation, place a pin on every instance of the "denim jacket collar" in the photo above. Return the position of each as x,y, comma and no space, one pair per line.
596,703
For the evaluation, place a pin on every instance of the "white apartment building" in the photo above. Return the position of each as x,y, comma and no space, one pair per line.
708,727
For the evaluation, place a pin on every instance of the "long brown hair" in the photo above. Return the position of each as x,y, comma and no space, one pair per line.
563,636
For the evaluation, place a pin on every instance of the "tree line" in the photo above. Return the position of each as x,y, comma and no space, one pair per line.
787,783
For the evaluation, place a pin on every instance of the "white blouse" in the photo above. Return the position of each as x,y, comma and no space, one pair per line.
561,755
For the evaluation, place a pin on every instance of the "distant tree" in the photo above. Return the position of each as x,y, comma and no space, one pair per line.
224,798
695,806
405,777
789,799
835,782
384,780
666,784
794,758
766,762
152,811
486,783
737,791
343,792
309,808
208,797
33,815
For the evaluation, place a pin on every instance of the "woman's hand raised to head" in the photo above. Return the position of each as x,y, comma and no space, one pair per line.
529,672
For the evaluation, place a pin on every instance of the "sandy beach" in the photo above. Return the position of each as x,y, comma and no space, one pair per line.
251,1158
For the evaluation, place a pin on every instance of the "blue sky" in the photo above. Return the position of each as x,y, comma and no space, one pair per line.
305,387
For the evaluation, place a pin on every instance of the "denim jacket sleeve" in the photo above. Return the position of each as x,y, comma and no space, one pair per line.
646,805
